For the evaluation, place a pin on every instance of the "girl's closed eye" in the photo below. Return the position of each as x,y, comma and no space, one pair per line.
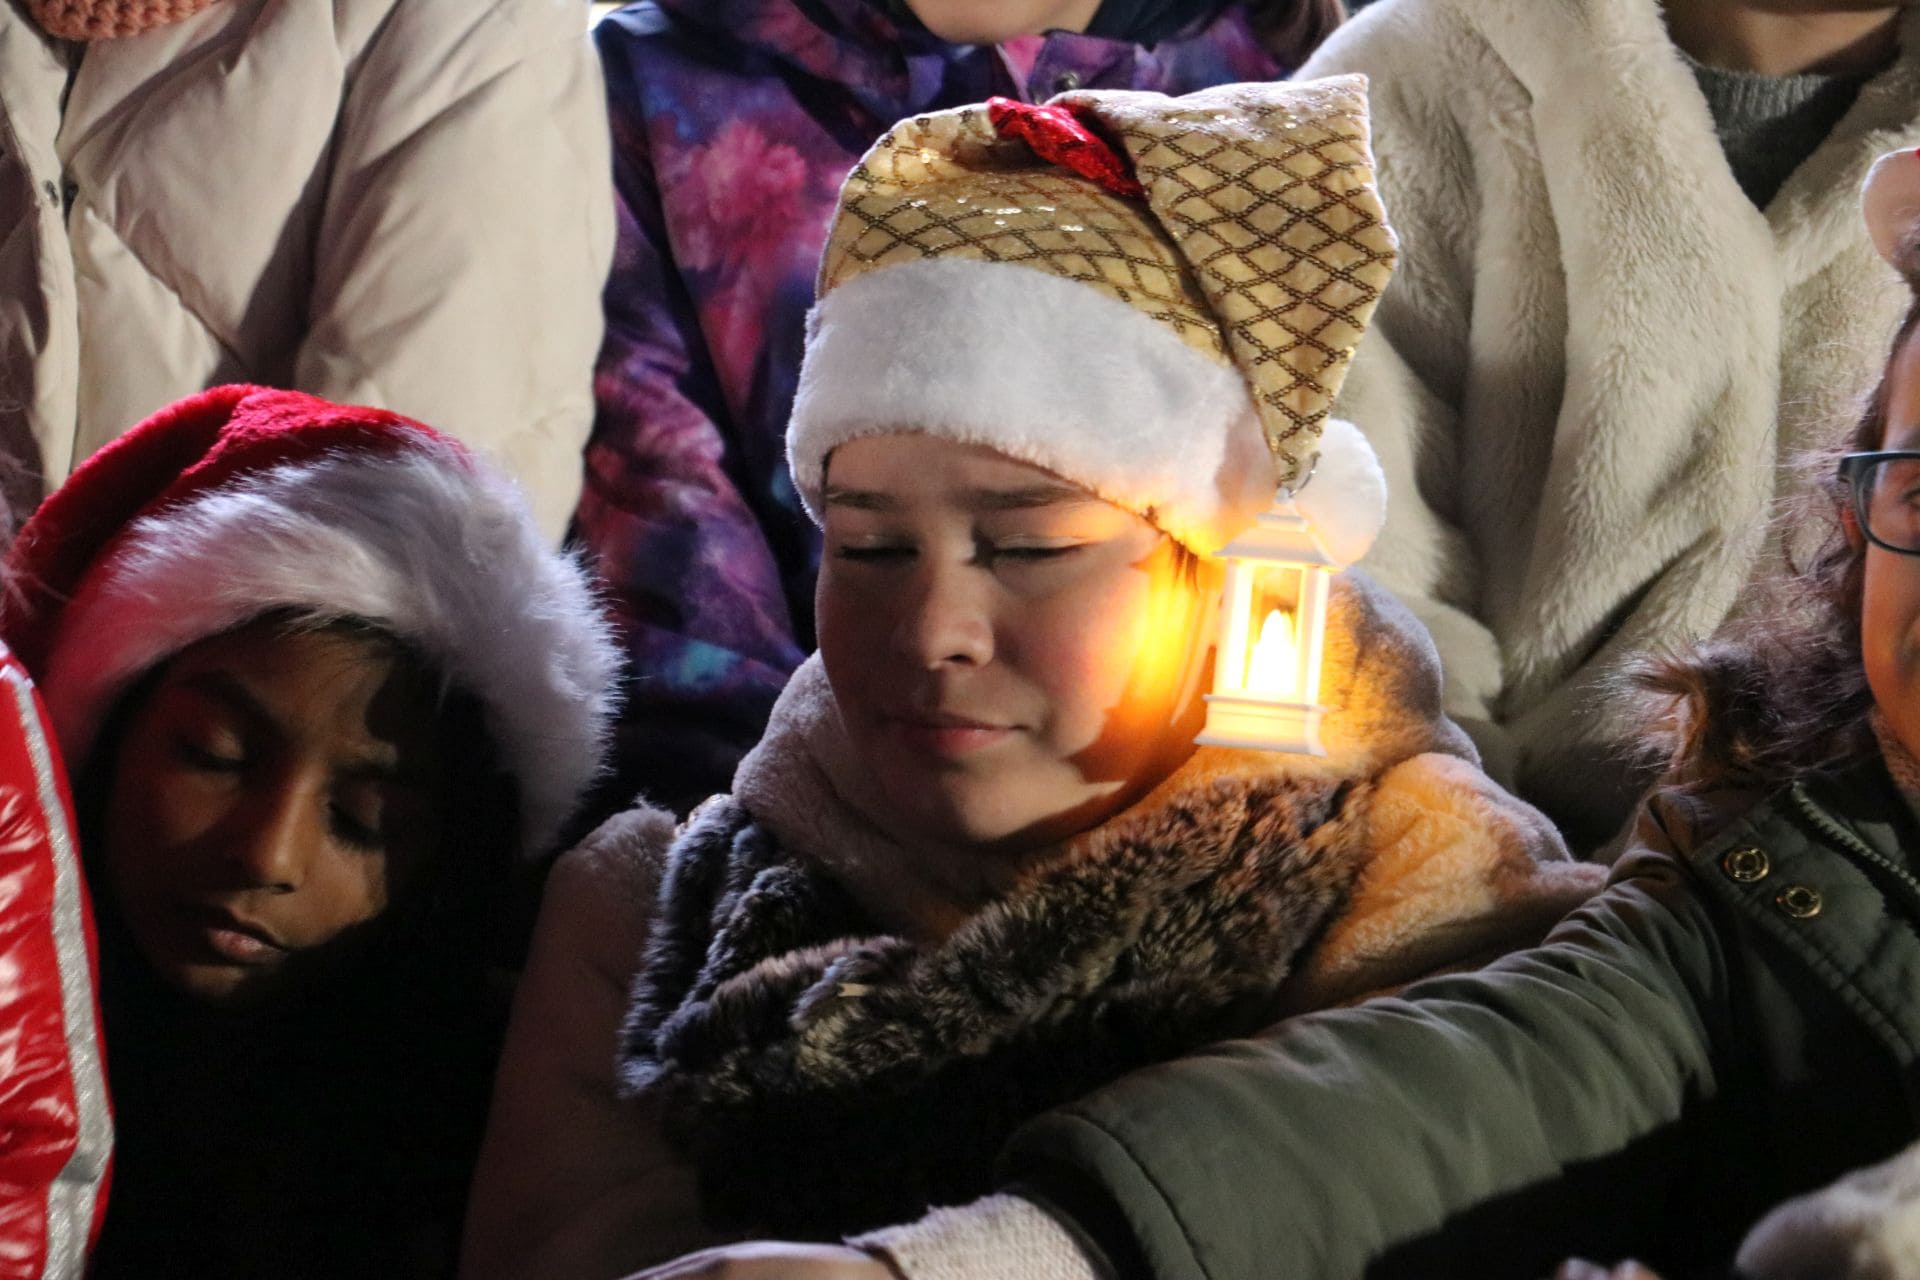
210,752
357,819
1024,551
874,552
353,831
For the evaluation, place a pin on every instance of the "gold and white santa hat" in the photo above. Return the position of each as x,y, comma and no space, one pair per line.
1155,298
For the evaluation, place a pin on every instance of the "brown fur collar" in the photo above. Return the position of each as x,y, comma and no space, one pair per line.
784,1035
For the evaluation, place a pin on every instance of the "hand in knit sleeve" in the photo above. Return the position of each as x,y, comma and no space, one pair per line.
1002,1237
1866,1226
466,232
696,591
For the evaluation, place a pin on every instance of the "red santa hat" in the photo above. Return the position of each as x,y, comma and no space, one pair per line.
242,501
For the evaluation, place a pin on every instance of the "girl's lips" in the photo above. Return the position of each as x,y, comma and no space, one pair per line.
947,737
224,938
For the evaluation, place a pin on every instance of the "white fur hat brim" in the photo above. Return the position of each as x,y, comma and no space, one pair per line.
1044,370
422,543
1065,378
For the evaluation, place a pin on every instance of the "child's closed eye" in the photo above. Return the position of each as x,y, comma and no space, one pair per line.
874,552
1030,551
209,756
355,830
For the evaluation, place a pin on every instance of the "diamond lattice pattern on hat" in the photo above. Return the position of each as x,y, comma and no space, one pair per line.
946,186
1261,240
1270,199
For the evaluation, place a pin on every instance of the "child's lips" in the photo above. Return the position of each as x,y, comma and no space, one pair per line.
946,735
225,938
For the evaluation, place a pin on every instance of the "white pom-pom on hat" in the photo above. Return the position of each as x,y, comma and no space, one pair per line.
1346,499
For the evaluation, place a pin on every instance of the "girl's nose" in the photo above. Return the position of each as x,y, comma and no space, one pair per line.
946,618
269,838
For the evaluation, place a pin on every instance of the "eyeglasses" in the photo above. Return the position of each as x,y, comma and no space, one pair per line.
1885,490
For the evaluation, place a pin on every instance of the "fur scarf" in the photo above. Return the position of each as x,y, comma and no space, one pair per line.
784,1035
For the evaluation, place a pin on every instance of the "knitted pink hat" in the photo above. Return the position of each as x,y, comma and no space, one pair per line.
105,19
242,501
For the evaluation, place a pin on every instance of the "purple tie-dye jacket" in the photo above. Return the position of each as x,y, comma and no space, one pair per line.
734,122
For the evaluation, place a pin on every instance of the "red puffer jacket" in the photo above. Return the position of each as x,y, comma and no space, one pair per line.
56,1133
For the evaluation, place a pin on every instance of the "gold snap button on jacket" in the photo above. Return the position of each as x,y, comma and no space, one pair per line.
1746,864
1799,901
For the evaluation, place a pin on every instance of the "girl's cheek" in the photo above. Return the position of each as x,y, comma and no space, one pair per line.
1890,641
1094,643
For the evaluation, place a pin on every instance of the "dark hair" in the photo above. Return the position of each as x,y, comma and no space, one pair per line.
1292,29
1780,690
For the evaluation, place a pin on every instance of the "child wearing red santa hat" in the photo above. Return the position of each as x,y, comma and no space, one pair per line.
322,688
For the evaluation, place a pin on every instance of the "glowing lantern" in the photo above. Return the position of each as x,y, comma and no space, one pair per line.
1266,682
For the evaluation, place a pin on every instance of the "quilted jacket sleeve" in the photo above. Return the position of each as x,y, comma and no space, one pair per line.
696,589
467,229
1230,1163
55,1131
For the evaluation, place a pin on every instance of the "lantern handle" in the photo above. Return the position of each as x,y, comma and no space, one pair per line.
1290,491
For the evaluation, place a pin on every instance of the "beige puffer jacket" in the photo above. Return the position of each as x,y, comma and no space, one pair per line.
397,202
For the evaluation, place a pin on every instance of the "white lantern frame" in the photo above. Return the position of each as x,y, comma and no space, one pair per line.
1276,563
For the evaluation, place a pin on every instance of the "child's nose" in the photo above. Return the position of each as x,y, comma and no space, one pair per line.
268,840
945,618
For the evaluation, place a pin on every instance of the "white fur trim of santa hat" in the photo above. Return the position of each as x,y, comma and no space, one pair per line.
1063,377
421,543
1044,370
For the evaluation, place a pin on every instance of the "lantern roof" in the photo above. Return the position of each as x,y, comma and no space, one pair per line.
1280,533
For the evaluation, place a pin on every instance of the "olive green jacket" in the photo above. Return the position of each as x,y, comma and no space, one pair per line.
1736,1020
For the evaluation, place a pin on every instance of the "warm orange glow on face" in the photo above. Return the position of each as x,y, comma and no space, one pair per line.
1275,657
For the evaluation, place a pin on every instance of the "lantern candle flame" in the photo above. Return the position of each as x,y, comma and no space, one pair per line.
1275,656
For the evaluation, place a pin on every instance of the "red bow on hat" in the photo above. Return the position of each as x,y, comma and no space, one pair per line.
1056,134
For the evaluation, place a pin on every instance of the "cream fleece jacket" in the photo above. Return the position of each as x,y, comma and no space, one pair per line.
1596,356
